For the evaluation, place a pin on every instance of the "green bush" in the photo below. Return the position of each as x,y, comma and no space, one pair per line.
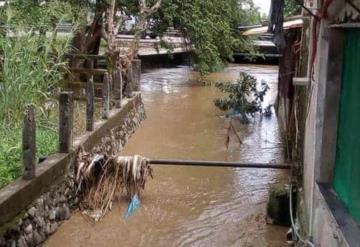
10,150
244,98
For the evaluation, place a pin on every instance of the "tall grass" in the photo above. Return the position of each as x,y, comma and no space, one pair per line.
32,64
32,67
32,52
29,74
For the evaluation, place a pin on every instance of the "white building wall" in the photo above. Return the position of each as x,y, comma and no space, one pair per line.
323,229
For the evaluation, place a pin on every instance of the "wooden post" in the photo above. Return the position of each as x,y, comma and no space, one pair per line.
90,93
29,143
89,63
117,87
111,87
129,82
66,117
106,96
136,65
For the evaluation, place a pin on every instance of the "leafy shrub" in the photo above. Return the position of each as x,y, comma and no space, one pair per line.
243,99
10,150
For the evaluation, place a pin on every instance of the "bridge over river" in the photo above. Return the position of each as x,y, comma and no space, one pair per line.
266,50
150,47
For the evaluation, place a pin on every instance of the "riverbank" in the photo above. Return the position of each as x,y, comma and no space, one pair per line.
193,206
11,164
32,210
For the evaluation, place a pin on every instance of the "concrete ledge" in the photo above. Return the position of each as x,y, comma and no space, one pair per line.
346,229
19,194
15,197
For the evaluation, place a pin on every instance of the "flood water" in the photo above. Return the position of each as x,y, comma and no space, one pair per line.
193,206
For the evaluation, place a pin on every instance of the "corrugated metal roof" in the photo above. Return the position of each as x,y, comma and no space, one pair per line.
287,25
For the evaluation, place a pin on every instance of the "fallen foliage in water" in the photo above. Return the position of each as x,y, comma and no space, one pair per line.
102,179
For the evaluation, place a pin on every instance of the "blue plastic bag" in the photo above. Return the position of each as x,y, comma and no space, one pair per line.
133,205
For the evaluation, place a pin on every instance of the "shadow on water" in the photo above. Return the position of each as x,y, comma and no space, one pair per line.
193,206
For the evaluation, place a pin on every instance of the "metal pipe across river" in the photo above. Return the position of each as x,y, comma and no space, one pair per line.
217,164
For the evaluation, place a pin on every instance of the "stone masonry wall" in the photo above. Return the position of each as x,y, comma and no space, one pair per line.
43,217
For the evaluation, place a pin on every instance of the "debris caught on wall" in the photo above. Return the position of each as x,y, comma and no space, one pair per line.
103,179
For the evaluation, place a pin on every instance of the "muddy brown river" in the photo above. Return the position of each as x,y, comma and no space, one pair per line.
193,206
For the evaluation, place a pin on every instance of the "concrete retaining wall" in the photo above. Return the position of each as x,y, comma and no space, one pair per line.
326,230
32,210
329,222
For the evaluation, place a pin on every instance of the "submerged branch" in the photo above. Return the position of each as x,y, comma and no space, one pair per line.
235,132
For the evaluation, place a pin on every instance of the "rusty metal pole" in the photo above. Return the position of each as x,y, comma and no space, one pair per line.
29,143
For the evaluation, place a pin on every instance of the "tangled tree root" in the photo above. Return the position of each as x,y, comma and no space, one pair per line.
103,179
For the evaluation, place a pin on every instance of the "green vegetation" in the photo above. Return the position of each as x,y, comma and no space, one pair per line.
29,73
243,99
10,150
291,8
211,27
32,54
31,66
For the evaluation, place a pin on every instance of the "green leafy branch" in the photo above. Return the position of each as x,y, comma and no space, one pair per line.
244,98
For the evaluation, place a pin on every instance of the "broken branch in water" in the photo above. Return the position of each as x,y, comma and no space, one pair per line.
231,127
235,132
103,179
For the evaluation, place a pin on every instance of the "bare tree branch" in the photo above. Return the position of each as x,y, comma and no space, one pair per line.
119,23
141,25
111,16
155,7
142,5
104,34
110,31
145,11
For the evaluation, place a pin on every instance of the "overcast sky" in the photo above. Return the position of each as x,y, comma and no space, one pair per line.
264,5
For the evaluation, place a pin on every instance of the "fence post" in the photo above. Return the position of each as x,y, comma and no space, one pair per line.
29,143
66,118
136,65
89,63
90,93
117,87
106,96
111,87
129,82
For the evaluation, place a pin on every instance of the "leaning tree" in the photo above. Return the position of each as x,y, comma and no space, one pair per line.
108,19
